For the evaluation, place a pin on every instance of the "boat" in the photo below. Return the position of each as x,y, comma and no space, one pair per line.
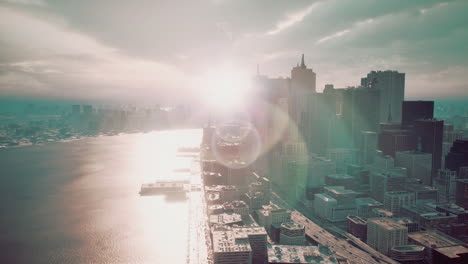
164,187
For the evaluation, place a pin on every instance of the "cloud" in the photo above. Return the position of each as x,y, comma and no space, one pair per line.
67,63
292,19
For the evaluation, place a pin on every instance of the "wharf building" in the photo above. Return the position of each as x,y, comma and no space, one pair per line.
439,247
292,233
384,233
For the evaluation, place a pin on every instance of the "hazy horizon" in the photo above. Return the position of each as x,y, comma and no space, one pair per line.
140,50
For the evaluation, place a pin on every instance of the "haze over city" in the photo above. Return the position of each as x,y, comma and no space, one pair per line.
234,131
167,49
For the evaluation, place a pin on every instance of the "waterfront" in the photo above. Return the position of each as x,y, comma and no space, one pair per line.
78,202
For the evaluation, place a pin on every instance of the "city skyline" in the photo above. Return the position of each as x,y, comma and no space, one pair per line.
85,50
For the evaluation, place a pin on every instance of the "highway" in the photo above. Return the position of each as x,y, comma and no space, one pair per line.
342,247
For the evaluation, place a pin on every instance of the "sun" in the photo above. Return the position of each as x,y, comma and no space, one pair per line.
225,89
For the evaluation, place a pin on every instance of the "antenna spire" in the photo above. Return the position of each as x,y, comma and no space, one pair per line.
302,62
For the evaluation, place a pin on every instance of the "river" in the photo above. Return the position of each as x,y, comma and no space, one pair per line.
78,201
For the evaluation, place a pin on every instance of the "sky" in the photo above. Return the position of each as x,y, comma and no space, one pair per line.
159,49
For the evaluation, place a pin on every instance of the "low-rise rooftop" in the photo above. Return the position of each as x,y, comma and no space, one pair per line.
434,239
224,241
299,254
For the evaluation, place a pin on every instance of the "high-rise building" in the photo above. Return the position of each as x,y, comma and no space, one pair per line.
368,147
419,164
360,112
429,133
392,92
257,237
342,157
384,233
392,139
386,181
414,110
458,155
393,201
303,81
461,195
319,168
445,182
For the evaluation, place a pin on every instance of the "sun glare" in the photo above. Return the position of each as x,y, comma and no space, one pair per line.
225,89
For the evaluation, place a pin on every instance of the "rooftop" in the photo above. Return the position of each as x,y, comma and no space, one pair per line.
453,252
408,248
356,219
386,223
225,219
340,176
224,241
292,225
244,232
299,254
434,239
368,201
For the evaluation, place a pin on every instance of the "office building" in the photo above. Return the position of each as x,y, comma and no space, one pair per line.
384,234
407,254
393,201
439,247
368,146
429,133
335,203
387,181
285,254
342,157
227,249
391,85
423,193
345,180
319,168
418,164
414,110
292,234
257,237
458,155
461,194
446,184
392,139
357,226
365,206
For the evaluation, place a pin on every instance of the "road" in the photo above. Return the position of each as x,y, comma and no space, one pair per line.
317,230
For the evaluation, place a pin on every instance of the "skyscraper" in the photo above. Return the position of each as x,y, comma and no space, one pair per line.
384,233
429,133
392,92
302,84
414,110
